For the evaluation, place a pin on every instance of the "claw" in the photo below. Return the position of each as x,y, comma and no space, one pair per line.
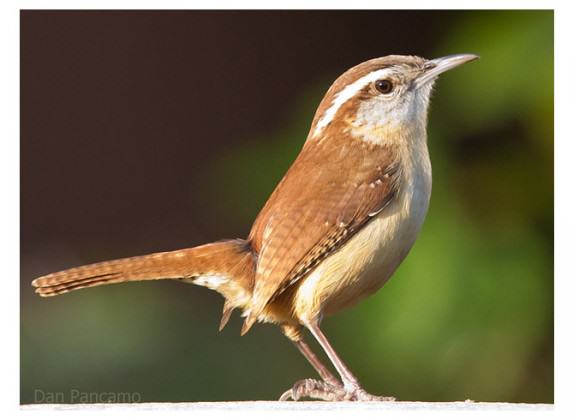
287,395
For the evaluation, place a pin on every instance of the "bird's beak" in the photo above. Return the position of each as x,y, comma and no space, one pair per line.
433,68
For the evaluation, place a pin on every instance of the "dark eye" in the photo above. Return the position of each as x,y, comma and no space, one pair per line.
384,86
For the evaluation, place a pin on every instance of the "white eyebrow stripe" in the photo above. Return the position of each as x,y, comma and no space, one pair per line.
344,95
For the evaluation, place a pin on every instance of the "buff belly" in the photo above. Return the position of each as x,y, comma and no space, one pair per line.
368,260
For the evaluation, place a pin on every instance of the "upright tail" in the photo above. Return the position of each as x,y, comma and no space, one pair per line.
226,266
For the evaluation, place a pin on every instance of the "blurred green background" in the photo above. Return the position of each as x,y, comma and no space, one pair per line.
469,314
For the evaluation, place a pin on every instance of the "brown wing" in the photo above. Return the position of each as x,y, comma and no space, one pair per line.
316,208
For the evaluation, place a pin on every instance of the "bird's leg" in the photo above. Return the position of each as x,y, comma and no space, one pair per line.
350,381
294,334
313,359
326,389
351,389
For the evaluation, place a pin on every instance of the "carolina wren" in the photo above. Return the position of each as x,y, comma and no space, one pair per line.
333,231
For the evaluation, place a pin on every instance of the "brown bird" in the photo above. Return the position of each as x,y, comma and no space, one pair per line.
334,230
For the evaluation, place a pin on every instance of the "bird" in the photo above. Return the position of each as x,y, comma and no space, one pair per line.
333,231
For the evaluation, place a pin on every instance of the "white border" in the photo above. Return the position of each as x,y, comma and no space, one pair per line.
9,96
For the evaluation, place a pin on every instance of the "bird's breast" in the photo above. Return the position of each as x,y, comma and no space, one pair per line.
372,255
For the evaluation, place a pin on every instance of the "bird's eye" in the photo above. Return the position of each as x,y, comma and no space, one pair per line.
384,86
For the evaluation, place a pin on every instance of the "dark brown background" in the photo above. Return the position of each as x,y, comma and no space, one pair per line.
120,109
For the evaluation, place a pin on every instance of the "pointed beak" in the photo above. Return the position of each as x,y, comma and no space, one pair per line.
433,68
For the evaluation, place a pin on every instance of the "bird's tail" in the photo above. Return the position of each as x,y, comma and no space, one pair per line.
226,266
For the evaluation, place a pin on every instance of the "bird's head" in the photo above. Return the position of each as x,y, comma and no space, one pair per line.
381,96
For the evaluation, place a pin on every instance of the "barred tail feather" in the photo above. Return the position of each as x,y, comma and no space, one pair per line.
225,266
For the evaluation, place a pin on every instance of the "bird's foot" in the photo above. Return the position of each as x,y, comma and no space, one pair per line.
319,390
311,388
361,395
